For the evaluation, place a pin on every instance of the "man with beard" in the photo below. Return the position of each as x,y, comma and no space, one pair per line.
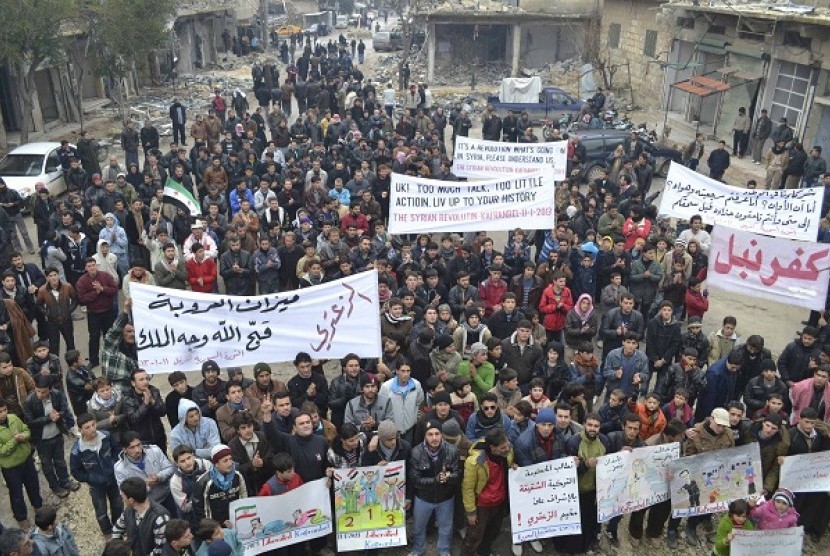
626,439
488,417
805,438
344,388
587,446
98,292
210,394
171,270
144,409
236,268
137,274
264,387
367,410
307,385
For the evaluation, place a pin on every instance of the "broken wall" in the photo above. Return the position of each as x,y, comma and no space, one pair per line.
544,44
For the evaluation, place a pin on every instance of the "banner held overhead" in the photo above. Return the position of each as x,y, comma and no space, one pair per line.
477,158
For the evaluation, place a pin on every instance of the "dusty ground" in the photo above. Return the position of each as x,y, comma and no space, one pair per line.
776,322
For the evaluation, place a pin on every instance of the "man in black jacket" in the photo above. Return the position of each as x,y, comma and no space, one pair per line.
46,411
718,161
178,117
211,393
144,409
435,475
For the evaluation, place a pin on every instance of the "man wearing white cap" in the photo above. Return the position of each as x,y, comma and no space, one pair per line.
199,236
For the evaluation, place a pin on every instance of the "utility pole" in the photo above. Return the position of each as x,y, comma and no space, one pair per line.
263,16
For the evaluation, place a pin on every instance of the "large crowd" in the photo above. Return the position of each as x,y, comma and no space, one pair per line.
578,340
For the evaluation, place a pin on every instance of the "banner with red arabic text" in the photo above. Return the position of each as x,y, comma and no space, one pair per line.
776,269
178,330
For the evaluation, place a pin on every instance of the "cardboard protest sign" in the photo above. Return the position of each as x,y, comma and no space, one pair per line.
369,507
806,472
544,500
780,542
264,523
706,483
178,330
628,481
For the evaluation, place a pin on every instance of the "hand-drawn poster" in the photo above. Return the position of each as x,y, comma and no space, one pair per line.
788,213
369,507
544,500
628,481
806,472
791,272
478,158
706,483
178,330
777,542
263,523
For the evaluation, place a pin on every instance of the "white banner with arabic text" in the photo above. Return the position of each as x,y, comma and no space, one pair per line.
420,205
544,500
791,272
790,213
478,158
778,542
177,330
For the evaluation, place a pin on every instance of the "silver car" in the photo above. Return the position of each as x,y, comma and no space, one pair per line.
33,163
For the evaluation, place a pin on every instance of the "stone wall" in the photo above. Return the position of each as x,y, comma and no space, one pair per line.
635,18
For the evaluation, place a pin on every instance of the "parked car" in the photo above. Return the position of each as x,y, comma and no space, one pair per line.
387,41
600,144
30,164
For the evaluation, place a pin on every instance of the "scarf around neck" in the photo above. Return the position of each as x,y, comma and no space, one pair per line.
106,404
223,480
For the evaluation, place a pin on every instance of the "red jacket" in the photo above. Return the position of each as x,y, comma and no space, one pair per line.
360,222
87,295
206,270
554,319
696,304
632,230
491,293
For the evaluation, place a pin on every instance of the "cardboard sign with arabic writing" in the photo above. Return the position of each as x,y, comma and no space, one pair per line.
178,330
544,500
792,272
780,542
790,213
628,481
806,472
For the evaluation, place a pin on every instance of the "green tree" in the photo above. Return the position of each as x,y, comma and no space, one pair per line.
33,33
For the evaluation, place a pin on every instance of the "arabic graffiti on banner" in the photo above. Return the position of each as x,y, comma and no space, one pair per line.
369,507
544,500
792,272
806,472
790,213
420,205
265,523
706,483
179,330
478,158
780,542
628,481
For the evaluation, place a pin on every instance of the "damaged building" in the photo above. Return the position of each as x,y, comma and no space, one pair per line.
530,33
709,58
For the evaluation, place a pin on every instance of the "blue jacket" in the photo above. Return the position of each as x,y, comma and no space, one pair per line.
95,465
236,202
528,451
721,388
476,431
202,439
637,364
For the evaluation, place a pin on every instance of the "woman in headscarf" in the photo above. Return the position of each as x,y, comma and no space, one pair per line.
581,324
115,235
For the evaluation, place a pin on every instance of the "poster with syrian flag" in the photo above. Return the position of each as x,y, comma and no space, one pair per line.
369,506
265,523
178,195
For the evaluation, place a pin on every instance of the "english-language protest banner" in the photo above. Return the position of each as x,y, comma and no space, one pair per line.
544,500
264,523
419,205
369,507
628,481
178,330
776,269
706,483
778,542
806,472
789,213
477,158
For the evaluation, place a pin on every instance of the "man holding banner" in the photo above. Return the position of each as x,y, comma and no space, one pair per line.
807,438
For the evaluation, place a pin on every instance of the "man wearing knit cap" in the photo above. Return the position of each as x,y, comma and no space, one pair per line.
211,393
264,386
440,412
485,491
434,473
217,488
367,410
388,446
